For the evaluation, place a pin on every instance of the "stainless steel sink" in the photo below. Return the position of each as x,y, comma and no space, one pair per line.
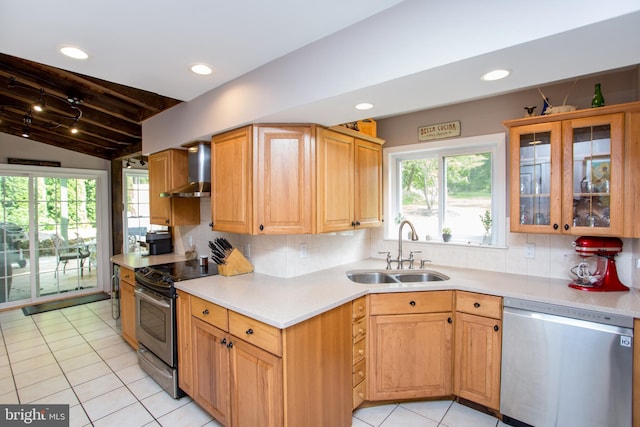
395,276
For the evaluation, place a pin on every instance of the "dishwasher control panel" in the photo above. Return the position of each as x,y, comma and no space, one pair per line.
572,312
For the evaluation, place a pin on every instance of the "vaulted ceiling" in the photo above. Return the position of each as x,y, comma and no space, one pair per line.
109,115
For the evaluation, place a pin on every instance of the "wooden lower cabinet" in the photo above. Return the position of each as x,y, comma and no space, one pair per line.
308,383
636,378
410,356
128,306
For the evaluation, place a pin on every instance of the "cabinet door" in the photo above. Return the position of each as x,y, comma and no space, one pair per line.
257,386
335,182
283,180
368,184
211,386
536,178
410,356
159,181
183,315
593,175
231,191
478,347
128,313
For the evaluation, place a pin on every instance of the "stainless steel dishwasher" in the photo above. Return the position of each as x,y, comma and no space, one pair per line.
565,367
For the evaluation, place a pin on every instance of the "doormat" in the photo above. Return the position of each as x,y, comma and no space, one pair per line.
63,303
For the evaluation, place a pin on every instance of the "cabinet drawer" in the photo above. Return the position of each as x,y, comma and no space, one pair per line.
359,307
359,392
359,372
359,329
255,332
479,304
359,350
410,302
127,275
209,312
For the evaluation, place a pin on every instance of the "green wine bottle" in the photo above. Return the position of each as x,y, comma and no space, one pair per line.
598,99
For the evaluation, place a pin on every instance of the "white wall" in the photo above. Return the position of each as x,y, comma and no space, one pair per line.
24,148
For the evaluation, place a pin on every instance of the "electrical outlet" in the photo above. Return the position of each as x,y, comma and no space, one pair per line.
530,250
303,250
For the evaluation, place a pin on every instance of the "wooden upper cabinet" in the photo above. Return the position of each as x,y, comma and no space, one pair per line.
575,173
349,174
231,183
167,170
262,180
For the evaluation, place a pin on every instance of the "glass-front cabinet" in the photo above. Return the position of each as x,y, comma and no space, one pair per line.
567,176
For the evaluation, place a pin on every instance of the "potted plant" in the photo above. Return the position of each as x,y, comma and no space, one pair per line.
446,234
486,224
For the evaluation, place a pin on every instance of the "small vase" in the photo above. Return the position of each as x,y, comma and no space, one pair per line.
598,99
446,237
486,239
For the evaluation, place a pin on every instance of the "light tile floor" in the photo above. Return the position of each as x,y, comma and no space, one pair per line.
75,356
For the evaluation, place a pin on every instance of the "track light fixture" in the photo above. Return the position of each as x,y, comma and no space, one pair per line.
142,162
50,115
128,164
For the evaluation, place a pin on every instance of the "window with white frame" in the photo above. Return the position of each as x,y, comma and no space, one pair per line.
456,185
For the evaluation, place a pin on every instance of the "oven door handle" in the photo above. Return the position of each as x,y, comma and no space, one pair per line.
140,293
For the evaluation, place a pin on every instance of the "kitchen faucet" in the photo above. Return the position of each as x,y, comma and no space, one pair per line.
414,237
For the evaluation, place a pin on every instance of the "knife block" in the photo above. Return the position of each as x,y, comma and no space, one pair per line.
235,263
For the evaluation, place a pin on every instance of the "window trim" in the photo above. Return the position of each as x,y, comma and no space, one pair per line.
494,143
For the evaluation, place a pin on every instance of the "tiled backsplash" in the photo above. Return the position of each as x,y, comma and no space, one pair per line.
290,256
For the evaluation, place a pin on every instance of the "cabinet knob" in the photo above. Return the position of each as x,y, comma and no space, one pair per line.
211,224
261,227
566,227
249,331
496,328
476,304
223,342
353,224
556,226
166,221
230,345
412,303
449,320
361,374
357,223
205,311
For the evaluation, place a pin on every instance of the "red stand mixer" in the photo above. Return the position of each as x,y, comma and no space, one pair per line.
605,276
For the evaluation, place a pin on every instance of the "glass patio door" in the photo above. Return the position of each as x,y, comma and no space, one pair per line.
48,236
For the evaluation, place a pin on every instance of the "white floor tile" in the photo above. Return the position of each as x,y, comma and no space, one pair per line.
26,335
374,415
212,423
123,361
189,415
80,361
131,374
64,397
84,326
36,375
402,417
74,351
98,334
154,423
67,343
144,387
434,410
134,415
107,342
57,327
87,373
77,417
161,403
4,361
25,345
7,385
60,335
10,398
96,387
463,416
29,353
115,350
42,389
34,362
108,403
355,422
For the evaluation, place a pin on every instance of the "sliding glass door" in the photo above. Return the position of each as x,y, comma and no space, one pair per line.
50,224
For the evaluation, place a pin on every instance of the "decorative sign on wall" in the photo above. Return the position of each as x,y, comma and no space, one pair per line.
29,162
439,130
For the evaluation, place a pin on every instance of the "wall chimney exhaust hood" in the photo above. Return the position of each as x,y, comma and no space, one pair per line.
199,173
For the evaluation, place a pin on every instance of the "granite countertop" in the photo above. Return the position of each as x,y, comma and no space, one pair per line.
283,302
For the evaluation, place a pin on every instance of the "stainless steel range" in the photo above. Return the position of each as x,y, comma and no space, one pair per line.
156,328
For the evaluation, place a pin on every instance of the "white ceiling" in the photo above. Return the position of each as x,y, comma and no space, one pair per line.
296,60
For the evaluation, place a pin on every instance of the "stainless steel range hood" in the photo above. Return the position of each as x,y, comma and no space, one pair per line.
199,174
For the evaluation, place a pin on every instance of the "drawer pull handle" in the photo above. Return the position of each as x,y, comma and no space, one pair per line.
496,328
361,374
360,331
361,352
223,342
249,331
449,320
230,345
476,304
205,311
412,303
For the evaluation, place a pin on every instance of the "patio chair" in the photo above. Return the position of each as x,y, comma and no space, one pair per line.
64,253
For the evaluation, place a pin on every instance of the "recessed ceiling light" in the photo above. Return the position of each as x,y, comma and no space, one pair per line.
74,52
364,106
202,69
495,75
